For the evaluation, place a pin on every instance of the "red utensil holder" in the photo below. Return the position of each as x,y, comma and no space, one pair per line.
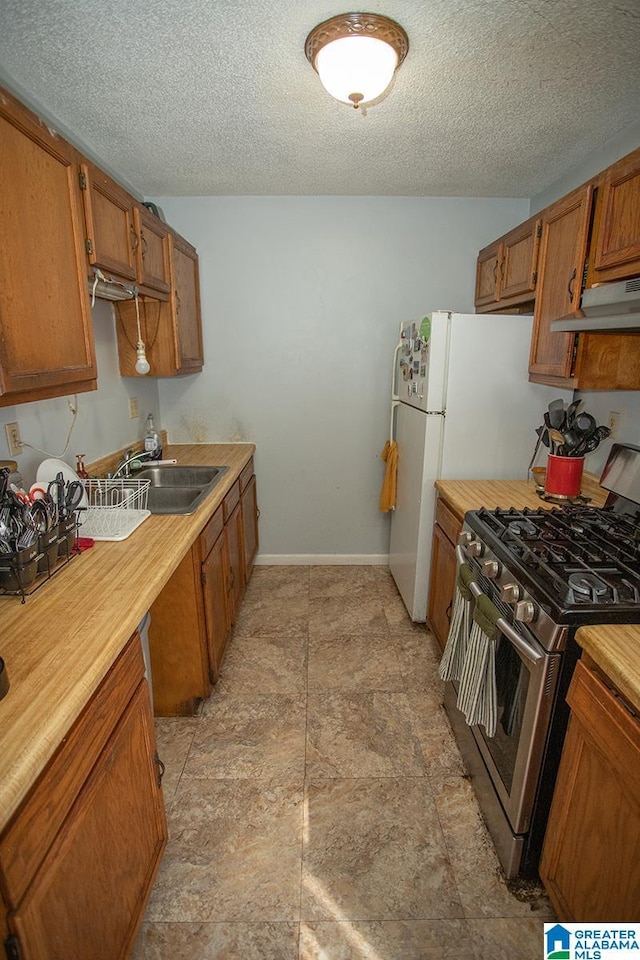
564,476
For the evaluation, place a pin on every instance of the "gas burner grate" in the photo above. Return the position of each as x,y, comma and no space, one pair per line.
584,557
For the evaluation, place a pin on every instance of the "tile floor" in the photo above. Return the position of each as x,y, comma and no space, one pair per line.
317,807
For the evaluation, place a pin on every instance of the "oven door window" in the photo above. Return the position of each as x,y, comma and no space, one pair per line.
512,684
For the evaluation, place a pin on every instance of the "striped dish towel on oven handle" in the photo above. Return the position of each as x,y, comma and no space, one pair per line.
455,651
477,696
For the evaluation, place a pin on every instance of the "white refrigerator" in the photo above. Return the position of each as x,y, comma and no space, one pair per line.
462,408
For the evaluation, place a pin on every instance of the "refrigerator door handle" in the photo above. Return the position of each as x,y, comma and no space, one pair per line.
394,394
394,404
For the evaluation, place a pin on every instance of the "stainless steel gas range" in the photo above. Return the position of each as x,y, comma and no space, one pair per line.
547,572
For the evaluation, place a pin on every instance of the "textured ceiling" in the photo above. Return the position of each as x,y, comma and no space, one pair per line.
495,98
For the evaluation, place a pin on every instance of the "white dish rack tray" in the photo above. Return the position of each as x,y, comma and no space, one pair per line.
114,508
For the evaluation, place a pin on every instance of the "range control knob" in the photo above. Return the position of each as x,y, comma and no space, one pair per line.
490,568
510,592
475,548
464,538
525,611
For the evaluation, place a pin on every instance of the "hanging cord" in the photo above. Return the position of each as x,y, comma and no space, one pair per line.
73,407
123,326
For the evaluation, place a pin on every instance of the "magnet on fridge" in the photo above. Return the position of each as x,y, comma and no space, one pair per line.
423,370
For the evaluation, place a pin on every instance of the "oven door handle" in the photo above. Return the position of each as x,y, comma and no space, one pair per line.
530,654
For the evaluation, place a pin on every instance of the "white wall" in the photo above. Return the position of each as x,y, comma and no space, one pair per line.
103,423
301,301
610,151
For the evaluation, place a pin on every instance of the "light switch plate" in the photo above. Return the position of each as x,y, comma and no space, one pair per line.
14,441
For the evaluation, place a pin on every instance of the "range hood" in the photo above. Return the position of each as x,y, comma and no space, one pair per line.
608,308
106,288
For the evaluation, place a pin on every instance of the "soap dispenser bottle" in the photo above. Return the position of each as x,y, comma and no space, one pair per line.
152,440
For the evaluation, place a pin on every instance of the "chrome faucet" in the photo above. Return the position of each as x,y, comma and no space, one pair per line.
124,467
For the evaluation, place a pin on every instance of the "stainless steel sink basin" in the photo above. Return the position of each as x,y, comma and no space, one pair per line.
179,489
176,475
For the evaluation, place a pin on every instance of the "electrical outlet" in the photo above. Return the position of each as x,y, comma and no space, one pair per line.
613,424
134,412
72,404
14,441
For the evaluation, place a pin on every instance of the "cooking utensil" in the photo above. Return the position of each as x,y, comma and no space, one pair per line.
556,413
572,411
584,423
73,496
557,440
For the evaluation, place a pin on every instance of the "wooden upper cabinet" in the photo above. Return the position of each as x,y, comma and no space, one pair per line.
506,271
186,293
152,249
563,249
616,241
46,336
487,276
111,239
519,264
123,239
171,330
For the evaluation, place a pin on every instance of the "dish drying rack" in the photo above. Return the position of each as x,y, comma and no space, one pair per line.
113,508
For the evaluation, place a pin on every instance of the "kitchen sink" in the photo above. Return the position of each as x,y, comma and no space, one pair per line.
179,489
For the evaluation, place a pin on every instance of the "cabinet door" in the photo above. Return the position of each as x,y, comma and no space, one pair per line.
186,293
442,583
617,235
518,267
87,899
235,568
590,863
249,526
215,604
111,237
46,335
152,251
563,248
487,275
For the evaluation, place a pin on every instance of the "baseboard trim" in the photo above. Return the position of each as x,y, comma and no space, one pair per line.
322,559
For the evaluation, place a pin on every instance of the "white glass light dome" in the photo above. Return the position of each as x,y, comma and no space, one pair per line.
354,69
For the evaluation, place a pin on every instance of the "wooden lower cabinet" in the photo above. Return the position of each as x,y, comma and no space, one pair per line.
250,515
590,865
191,619
443,571
78,860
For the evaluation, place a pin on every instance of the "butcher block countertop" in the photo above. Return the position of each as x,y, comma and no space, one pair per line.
62,641
615,647
463,495
616,650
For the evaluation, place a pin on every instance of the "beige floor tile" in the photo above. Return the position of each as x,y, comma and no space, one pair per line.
174,736
266,616
360,616
484,892
400,623
373,850
266,664
233,853
342,581
354,663
278,582
508,939
431,727
386,940
261,738
418,662
361,735
385,584
217,941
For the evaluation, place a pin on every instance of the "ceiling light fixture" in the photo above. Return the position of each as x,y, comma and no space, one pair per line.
356,55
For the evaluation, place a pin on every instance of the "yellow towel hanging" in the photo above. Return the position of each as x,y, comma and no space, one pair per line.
389,484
